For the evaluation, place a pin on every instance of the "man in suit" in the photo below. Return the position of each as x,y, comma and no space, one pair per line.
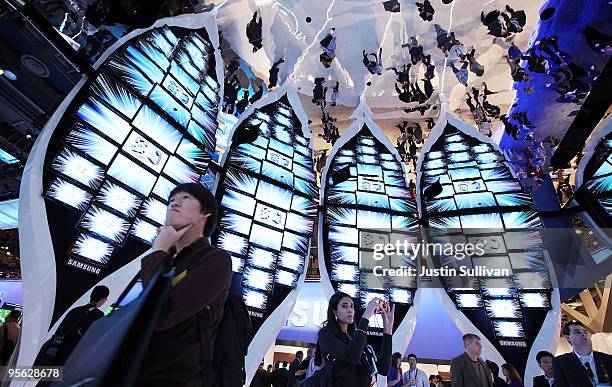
582,366
293,367
467,369
545,361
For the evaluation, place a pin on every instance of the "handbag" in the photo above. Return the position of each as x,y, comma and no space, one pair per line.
111,351
324,377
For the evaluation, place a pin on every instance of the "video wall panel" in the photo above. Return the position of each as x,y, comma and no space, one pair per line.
367,201
488,206
144,123
269,197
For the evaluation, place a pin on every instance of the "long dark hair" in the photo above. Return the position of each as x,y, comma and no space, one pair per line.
331,322
513,373
394,359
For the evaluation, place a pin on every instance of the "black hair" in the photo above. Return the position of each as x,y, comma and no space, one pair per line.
493,367
542,354
469,337
208,203
331,322
566,327
14,315
299,354
394,359
98,293
412,355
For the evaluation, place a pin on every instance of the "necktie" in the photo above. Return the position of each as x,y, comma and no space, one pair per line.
589,371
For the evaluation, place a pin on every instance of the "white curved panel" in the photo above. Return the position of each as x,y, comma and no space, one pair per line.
38,265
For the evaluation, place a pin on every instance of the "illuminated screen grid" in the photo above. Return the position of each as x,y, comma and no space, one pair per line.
600,184
269,203
365,190
482,188
147,125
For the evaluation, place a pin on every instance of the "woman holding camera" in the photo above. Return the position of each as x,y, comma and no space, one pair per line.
345,345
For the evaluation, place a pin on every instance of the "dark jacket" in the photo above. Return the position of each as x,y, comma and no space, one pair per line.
350,367
260,379
569,372
499,382
73,327
279,377
175,352
540,381
463,373
293,367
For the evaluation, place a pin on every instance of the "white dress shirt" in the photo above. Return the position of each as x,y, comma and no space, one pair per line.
417,374
591,360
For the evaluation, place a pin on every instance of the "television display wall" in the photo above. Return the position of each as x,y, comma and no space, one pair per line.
144,123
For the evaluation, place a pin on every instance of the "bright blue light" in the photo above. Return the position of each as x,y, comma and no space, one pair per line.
238,202
163,187
372,220
303,205
156,56
522,220
119,199
299,224
257,279
373,200
286,278
236,223
262,258
105,224
489,220
295,242
496,174
144,64
79,168
245,161
255,299
291,261
339,198
240,181
510,329
277,173
232,243
155,210
475,200
105,120
115,95
201,135
193,154
340,215
69,194
266,237
162,99
343,272
503,186
132,175
274,195
160,42
6,158
130,74
92,248
180,171
343,253
90,143
339,234
514,199
464,173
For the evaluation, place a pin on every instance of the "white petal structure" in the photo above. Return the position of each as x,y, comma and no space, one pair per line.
268,194
366,203
467,193
143,123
